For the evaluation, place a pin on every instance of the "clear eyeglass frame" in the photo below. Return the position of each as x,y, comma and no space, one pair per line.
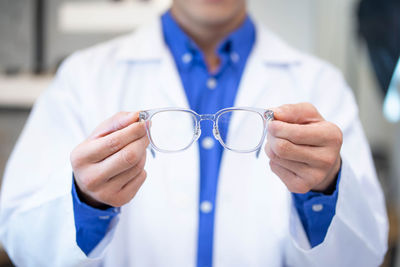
266,115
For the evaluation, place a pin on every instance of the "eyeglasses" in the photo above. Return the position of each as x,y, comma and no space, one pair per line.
176,129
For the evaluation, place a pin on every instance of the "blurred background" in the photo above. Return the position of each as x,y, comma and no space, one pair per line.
360,37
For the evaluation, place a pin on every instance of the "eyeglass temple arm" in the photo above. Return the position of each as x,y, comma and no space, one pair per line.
143,117
269,116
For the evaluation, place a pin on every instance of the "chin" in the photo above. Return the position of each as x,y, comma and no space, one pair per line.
212,12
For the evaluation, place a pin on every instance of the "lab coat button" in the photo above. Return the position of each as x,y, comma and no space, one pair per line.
211,83
206,206
207,143
186,58
317,207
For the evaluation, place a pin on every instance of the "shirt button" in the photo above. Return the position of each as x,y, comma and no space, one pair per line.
235,57
211,83
104,217
317,207
207,143
186,58
206,206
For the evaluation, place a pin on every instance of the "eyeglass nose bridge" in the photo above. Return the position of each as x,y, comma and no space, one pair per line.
207,117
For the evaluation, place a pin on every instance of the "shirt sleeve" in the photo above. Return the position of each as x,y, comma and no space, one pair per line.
316,211
91,224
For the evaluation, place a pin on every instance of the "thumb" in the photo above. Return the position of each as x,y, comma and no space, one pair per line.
301,113
115,123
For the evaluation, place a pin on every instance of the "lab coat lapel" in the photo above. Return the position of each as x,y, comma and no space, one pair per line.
171,87
150,48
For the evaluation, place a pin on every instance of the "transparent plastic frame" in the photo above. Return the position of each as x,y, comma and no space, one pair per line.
266,114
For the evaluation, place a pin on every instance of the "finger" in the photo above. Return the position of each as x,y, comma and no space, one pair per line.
294,183
119,181
314,175
314,134
100,148
285,149
117,198
115,123
132,187
121,161
294,166
301,113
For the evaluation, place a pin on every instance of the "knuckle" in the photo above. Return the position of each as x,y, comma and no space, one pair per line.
319,176
113,144
104,197
141,164
125,196
271,165
338,137
140,129
271,155
89,184
75,161
328,160
272,128
335,135
281,148
76,158
129,156
299,187
144,175
118,201
297,136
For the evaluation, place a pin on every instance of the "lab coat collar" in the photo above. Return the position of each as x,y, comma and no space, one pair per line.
147,44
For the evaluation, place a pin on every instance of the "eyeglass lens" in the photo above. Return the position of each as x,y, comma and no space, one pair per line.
172,130
248,129
175,130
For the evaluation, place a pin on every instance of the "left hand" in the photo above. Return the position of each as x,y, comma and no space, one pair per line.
303,148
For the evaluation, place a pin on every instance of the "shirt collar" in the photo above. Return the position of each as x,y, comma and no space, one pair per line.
240,41
237,45
148,44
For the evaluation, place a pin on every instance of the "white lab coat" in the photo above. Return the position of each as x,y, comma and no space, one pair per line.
256,223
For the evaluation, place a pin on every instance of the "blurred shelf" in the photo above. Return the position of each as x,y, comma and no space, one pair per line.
21,91
108,17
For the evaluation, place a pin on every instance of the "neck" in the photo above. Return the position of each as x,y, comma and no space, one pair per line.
207,36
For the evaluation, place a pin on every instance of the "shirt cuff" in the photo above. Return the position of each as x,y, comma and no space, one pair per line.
316,211
91,224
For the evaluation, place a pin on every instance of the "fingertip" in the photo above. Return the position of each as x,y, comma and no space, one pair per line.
132,117
277,110
125,119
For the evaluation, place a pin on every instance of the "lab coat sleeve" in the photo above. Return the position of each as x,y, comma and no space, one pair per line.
357,235
36,213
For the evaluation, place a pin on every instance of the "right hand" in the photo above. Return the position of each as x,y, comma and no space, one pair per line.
109,166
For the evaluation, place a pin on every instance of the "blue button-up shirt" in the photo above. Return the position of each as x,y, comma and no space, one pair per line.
208,92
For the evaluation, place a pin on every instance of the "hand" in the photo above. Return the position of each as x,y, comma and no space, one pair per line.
303,148
109,166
